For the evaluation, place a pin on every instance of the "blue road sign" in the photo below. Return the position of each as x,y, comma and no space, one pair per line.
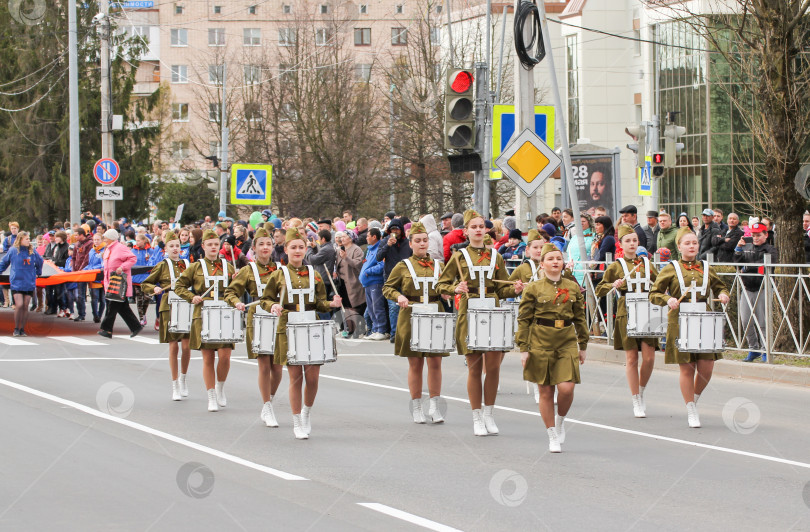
106,171
251,184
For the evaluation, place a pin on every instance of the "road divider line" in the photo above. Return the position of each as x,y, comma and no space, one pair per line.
154,432
141,339
405,516
81,359
14,341
75,340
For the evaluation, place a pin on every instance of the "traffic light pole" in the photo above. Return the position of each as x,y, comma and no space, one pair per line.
654,136
481,177
524,119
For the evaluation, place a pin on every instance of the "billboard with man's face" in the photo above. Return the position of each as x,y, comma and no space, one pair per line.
594,182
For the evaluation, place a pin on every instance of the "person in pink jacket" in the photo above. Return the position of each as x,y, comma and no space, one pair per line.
119,259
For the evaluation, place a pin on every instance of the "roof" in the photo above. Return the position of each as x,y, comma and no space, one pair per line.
574,8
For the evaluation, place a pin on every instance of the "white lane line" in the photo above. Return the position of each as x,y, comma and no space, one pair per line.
79,359
75,340
405,516
14,341
154,432
141,339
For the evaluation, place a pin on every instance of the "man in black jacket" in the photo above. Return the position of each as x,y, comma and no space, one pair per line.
709,236
806,226
393,250
728,241
57,251
630,216
753,297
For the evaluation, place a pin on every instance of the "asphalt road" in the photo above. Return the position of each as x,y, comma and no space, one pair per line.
92,441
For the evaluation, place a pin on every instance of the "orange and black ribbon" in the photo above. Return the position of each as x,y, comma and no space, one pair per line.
427,263
303,273
181,266
562,292
694,267
217,267
484,255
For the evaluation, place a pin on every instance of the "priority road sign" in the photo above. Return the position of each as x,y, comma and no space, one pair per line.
106,171
251,184
528,161
503,129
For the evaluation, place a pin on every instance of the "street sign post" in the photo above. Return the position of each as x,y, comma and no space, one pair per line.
110,193
251,184
528,161
106,171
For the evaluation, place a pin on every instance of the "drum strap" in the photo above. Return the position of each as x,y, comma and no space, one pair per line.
535,269
211,278
488,269
258,278
309,291
172,276
703,290
417,280
631,281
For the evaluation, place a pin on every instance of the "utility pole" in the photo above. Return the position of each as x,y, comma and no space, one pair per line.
481,177
654,138
223,161
107,152
73,109
524,119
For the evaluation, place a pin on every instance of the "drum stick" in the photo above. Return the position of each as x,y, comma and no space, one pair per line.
627,277
680,299
343,310
504,282
209,289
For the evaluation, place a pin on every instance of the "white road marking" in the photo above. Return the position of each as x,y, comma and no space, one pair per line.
8,340
405,516
141,339
154,432
75,340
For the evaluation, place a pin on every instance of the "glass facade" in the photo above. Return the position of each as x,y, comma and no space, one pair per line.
718,165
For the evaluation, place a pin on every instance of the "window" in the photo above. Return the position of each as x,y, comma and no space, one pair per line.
362,72
180,112
179,37
217,10
252,37
214,112
287,36
288,113
253,111
137,31
637,42
572,80
323,36
178,9
253,74
323,9
179,73
400,9
216,36
286,9
362,36
215,74
435,36
399,36
252,10
180,149
363,9
439,9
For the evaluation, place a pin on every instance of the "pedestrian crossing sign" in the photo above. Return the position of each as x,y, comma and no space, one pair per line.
645,178
251,184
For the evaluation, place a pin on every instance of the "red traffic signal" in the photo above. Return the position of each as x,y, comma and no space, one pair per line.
461,82
658,158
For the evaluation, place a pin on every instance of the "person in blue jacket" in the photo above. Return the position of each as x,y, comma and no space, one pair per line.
143,252
71,289
95,261
515,247
26,265
372,277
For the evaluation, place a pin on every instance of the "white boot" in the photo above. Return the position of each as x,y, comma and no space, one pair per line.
183,385
221,399
268,415
176,391
212,400
489,419
638,410
641,396
553,441
559,427
297,429
306,424
434,412
479,429
555,395
692,415
416,411
536,394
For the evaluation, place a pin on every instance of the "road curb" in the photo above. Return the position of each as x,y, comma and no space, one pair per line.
734,369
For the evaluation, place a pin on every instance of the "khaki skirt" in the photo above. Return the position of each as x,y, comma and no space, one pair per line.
622,342
553,356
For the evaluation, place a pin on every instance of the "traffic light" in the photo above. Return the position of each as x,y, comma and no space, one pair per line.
459,118
639,134
672,146
657,164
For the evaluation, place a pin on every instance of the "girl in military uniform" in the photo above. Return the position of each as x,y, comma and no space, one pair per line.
195,281
301,276
454,280
552,337
253,279
400,287
616,278
696,368
531,269
162,279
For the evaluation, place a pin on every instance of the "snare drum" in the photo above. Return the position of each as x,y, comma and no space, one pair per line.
491,329
311,342
180,315
222,323
700,331
515,306
644,319
432,332
265,326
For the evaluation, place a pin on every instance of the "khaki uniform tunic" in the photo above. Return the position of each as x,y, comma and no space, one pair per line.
456,271
192,283
613,273
667,286
272,295
245,281
553,350
401,283
160,276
